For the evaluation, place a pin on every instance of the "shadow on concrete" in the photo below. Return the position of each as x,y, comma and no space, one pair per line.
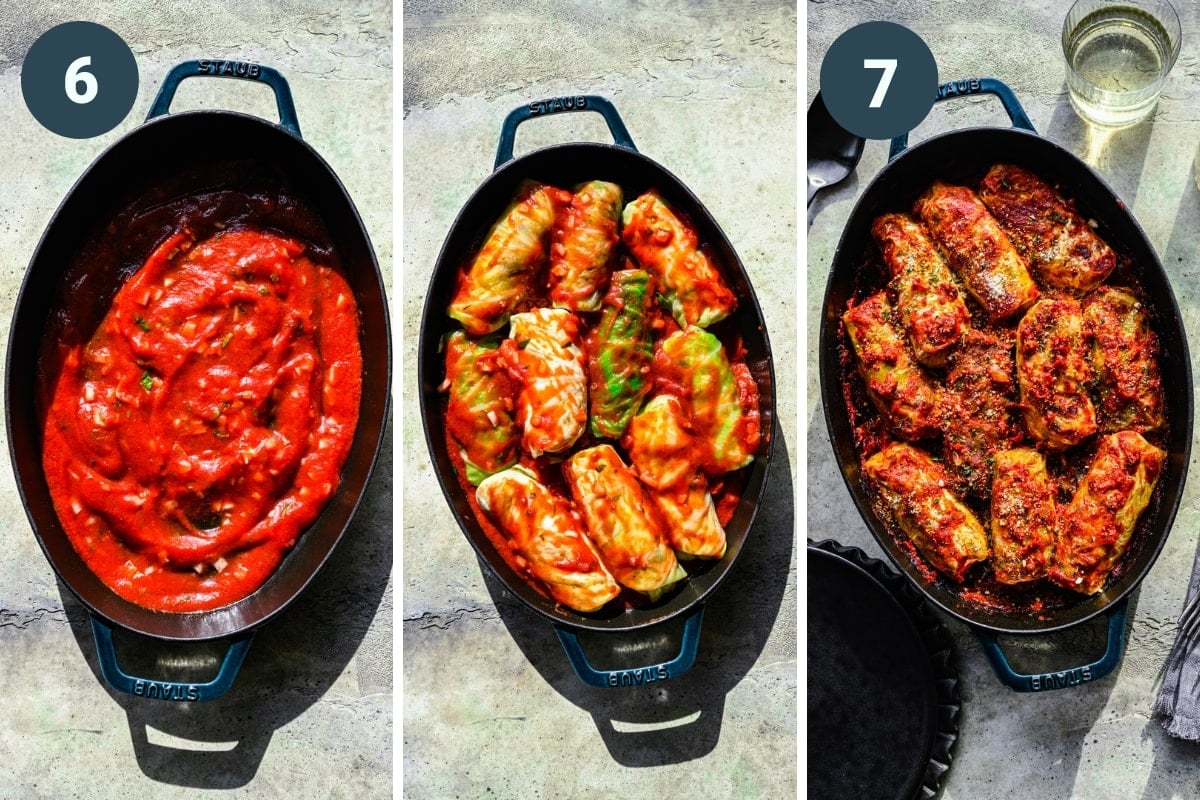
292,662
846,189
678,720
1117,155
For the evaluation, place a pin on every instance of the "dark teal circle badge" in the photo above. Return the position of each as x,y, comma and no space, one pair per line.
879,80
79,79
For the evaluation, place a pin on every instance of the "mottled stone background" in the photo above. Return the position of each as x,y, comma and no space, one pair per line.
310,716
491,706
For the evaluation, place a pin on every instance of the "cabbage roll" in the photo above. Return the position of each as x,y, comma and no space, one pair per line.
895,382
546,532
1095,528
1053,373
662,451
1123,354
505,271
622,520
729,435
1024,516
479,414
668,247
582,246
1047,231
932,309
660,443
977,249
544,350
915,490
620,351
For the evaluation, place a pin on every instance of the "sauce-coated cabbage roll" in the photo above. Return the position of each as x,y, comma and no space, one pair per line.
932,309
479,414
1095,528
505,270
620,351
1052,371
660,443
915,489
668,247
1047,231
622,520
977,249
663,453
696,360
1123,353
547,533
582,246
1024,516
894,380
543,349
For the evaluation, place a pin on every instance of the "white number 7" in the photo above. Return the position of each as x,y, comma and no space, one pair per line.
888,65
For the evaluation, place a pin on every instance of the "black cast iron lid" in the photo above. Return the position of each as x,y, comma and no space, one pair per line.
882,681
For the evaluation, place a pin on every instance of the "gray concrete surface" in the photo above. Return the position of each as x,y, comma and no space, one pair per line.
310,716
1097,740
491,707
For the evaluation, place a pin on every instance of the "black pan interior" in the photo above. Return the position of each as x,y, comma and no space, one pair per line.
565,166
195,152
964,156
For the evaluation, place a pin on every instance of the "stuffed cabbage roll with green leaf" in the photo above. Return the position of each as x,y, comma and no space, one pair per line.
583,245
506,269
666,245
620,351
623,522
548,535
722,408
479,412
543,350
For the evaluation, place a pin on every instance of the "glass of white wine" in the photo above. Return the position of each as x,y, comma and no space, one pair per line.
1119,53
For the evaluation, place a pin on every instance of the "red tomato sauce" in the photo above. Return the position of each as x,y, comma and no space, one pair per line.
204,424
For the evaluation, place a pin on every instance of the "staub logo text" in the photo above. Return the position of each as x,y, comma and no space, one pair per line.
637,677
558,104
1057,680
166,691
240,69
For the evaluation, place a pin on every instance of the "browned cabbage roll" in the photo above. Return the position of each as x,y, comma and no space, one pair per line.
667,246
548,535
622,520
1094,530
977,249
915,490
932,309
895,382
1058,244
1024,513
1052,372
545,350
582,246
505,271
693,527
1123,353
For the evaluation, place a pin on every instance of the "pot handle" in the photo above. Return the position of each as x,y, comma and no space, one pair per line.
166,690
559,105
974,86
245,70
1018,682
635,676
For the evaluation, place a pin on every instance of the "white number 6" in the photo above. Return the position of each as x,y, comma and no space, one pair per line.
76,76
888,65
